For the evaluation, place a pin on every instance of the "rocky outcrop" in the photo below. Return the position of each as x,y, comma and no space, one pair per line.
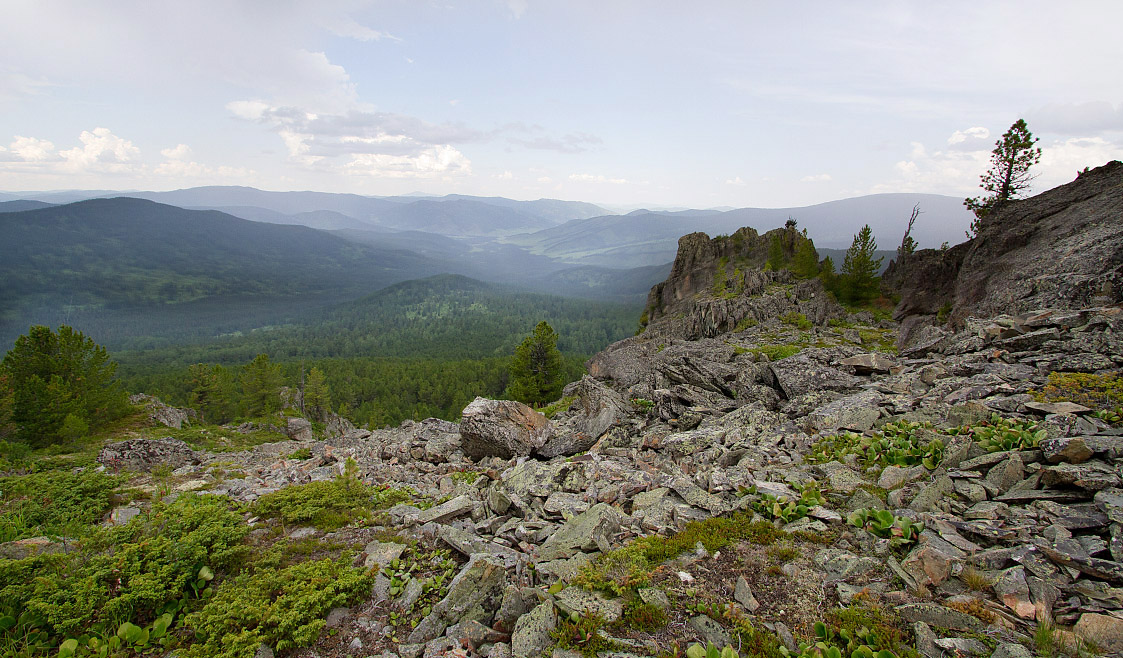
158,412
739,262
1062,249
144,454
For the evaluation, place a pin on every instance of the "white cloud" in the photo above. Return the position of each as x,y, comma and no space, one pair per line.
178,152
1087,119
815,178
345,26
103,151
506,175
544,179
597,178
433,162
31,149
179,166
516,7
737,182
976,132
1061,160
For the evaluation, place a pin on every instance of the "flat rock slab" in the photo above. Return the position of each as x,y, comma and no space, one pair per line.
584,602
1057,407
447,510
532,631
934,614
382,553
1104,630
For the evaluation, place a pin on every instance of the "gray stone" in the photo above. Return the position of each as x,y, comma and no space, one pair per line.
1011,650
934,614
1012,589
926,641
382,553
122,515
21,549
1004,475
744,595
963,646
583,602
1091,476
654,596
532,631
565,504
449,509
1057,407
863,499
336,617
298,429
468,544
475,591
934,559
856,412
263,651
501,428
709,630
866,364
588,531
144,454
843,564
1071,449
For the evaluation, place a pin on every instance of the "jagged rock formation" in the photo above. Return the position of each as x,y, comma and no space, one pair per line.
1062,249
689,304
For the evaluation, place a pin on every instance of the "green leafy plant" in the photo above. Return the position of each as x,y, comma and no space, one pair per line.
710,651
896,444
999,434
898,529
780,507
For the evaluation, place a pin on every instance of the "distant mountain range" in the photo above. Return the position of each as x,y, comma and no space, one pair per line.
211,260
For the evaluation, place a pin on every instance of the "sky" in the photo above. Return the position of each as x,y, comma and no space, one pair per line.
617,102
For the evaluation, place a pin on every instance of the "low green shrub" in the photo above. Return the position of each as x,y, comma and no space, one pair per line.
131,573
58,504
280,607
797,320
1093,391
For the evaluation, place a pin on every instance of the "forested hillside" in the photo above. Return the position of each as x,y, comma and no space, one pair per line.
415,349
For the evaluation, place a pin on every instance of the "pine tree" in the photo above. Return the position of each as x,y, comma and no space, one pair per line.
62,385
537,371
859,268
805,263
261,385
1008,176
317,400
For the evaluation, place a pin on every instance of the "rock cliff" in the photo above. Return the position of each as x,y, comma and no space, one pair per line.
1062,249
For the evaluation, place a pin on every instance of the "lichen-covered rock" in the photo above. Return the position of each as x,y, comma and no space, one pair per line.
591,530
475,593
159,412
502,428
532,631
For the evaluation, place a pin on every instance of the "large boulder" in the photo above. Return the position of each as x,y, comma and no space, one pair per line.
502,428
144,454
596,409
